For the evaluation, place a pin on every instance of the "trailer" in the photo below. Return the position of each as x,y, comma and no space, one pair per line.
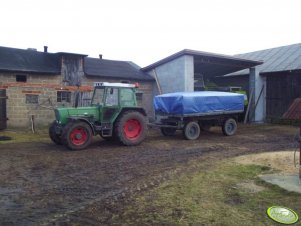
192,112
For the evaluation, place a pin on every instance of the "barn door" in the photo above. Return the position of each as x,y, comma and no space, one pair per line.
3,117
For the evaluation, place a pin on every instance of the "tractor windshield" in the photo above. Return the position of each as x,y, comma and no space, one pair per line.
98,94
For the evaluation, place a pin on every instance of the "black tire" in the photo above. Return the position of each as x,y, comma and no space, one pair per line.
130,128
52,134
191,130
229,127
168,131
77,135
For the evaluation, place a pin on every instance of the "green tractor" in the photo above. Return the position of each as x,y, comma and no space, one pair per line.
113,114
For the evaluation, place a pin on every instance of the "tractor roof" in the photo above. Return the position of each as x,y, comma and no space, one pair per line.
110,84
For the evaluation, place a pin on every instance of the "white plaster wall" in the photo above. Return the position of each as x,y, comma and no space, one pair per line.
189,73
176,75
260,97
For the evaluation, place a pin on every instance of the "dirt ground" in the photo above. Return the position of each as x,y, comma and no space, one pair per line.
286,162
44,184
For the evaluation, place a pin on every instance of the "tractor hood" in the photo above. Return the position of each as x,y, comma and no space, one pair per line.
63,114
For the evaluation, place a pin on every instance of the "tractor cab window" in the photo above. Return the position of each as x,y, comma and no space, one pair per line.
111,97
127,97
98,96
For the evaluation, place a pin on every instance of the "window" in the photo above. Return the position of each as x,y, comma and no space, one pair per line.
21,78
112,96
63,96
126,97
32,99
98,96
139,96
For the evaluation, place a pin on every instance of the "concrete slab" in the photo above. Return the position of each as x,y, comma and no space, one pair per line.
287,182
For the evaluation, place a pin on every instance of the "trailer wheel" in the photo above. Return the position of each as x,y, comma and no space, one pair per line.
77,135
191,130
130,128
229,127
168,131
52,134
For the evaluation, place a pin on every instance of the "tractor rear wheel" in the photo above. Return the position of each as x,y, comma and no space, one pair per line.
77,135
52,134
130,128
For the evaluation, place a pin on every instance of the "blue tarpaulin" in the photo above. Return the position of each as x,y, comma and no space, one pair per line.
203,102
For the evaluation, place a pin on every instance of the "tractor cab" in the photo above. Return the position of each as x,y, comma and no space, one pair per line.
112,97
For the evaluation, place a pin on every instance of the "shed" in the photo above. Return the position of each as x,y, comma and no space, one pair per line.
187,68
280,75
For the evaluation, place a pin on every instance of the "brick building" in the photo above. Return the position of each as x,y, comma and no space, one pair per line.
35,82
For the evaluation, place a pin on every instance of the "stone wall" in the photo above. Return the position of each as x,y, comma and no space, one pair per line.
31,78
21,113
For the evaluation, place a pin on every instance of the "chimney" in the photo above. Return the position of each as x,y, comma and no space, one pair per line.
45,49
100,56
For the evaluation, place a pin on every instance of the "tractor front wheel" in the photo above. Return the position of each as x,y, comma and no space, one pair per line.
53,135
130,128
77,135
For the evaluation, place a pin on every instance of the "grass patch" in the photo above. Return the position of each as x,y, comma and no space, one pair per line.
211,197
23,136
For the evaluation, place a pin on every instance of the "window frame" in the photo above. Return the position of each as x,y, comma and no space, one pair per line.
61,99
21,78
29,98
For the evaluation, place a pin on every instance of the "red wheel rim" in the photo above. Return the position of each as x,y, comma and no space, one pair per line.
132,129
78,136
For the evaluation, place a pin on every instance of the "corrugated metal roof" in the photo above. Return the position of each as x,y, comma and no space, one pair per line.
294,111
284,58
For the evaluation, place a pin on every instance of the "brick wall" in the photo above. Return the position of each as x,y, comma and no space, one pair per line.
20,112
39,79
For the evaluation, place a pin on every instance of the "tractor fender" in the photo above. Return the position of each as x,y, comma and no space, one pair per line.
75,119
139,109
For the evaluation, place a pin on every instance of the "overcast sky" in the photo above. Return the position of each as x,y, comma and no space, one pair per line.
147,31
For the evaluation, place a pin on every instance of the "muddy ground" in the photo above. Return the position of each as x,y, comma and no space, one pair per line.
42,183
